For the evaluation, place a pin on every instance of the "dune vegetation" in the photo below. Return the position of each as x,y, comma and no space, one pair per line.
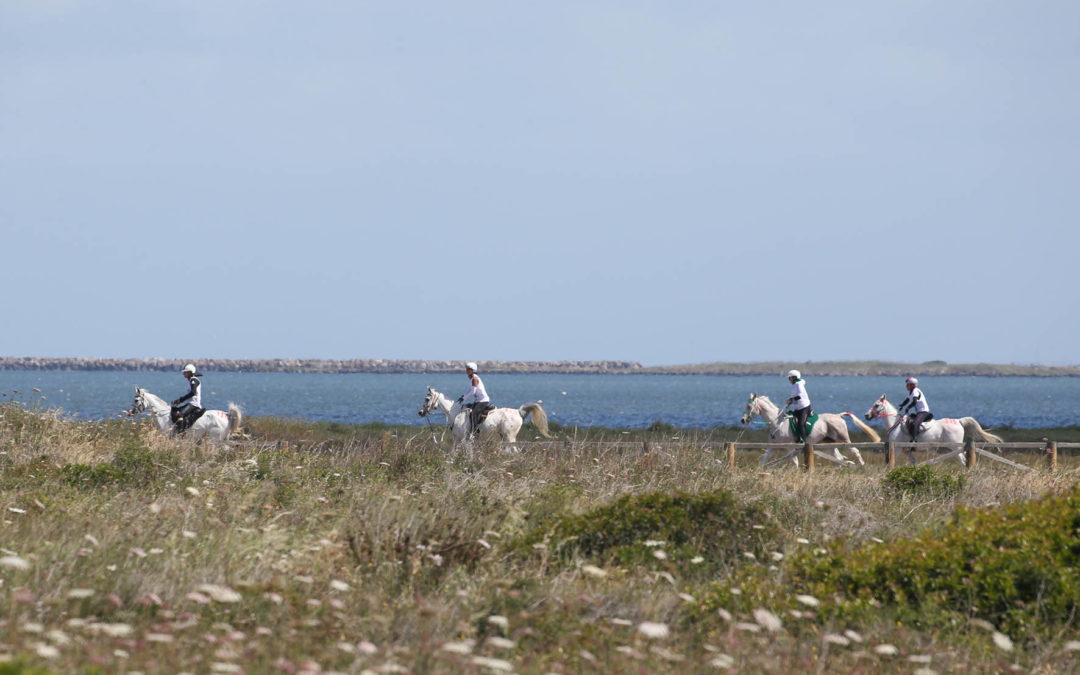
316,547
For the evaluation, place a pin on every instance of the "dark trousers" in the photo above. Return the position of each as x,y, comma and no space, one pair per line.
185,415
800,423
477,413
916,421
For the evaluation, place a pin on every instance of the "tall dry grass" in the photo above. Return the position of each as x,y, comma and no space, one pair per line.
308,547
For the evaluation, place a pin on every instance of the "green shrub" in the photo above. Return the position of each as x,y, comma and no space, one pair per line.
1017,567
712,526
132,464
922,480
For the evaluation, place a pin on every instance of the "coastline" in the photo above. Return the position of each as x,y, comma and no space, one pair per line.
812,368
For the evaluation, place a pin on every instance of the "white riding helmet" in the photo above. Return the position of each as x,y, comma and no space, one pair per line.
189,368
794,373
912,380
471,365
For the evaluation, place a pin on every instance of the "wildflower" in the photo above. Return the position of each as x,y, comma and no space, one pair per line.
768,620
667,655
853,636
339,585
724,614
1072,646
686,597
58,637
749,556
160,637
500,621
1003,641
630,651
483,543
14,562
194,492
659,555
886,650
223,667
46,651
464,647
367,647
114,629
593,571
220,593
653,543
198,597
722,661
808,600
92,539
697,560
748,627
80,593
803,541
920,658
188,534
15,509
653,630
494,664
834,639
500,643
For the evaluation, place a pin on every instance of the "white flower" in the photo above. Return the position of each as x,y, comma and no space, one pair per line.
1002,641
500,643
651,629
808,600
194,492
697,560
494,664
463,647
653,543
14,562
1072,646
593,571
686,597
220,593
338,585
79,593
768,620
853,636
46,651
748,627
886,650
834,639
659,555
500,621
722,661
114,629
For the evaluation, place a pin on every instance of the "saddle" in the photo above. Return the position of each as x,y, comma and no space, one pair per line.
810,421
478,414
909,424
184,421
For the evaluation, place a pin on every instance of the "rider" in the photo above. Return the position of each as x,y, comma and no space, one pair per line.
801,401
915,399
476,390
188,412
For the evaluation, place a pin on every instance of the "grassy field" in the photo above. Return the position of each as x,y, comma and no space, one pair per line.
308,547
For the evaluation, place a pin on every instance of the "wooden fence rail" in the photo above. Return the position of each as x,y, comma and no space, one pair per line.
969,450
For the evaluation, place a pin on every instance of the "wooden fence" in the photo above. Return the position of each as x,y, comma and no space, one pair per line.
969,451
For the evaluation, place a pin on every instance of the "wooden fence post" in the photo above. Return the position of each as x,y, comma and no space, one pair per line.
969,451
1051,455
890,455
729,447
808,458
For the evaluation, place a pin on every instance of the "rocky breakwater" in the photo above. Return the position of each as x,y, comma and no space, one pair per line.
316,365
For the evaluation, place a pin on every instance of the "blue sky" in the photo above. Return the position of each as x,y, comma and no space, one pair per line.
660,182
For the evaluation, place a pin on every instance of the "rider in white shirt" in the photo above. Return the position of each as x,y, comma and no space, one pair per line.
916,400
189,406
800,402
480,401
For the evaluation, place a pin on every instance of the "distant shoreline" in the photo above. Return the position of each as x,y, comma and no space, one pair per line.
814,369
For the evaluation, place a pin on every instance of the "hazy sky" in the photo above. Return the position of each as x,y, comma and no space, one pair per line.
661,182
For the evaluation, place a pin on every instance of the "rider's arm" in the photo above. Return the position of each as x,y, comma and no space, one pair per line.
194,386
471,391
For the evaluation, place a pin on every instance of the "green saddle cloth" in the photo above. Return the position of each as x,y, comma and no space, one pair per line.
810,421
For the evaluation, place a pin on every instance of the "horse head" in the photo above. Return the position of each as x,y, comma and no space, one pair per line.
139,404
751,410
429,402
877,410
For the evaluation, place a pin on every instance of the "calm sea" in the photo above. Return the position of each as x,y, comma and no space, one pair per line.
635,401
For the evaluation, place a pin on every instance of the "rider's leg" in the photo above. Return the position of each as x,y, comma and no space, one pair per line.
800,423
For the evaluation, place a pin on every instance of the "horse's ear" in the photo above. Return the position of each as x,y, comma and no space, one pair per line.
429,390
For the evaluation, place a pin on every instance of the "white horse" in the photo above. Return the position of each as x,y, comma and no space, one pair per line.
504,421
214,424
829,427
945,430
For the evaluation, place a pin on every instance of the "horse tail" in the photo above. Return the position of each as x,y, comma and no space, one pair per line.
867,429
539,417
972,426
234,419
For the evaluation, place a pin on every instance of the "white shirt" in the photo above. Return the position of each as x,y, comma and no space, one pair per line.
196,392
477,391
799,389
916,396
